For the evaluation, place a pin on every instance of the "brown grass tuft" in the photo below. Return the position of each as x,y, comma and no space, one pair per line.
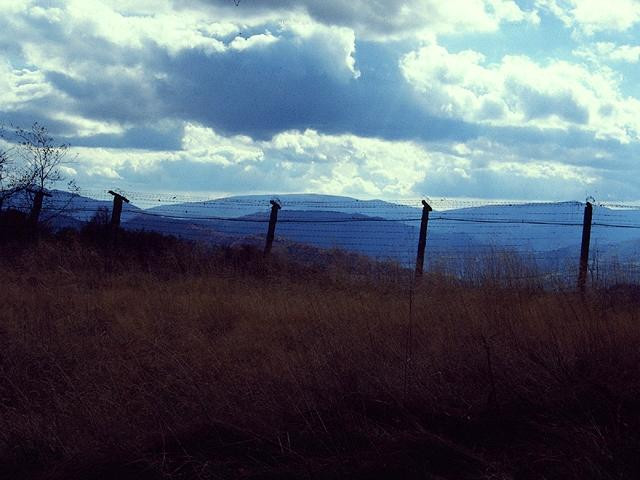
168,360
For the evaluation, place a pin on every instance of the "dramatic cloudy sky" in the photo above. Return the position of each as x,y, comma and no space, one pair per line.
523,99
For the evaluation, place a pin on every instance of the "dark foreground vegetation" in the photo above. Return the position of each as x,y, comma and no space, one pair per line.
135,356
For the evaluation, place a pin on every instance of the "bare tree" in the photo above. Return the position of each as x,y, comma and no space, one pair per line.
42,157
42,161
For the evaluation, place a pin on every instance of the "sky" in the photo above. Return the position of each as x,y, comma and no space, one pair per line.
509,99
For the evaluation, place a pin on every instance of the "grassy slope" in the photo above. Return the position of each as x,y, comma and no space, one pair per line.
181,365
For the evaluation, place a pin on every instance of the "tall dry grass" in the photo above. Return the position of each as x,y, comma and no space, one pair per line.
175,362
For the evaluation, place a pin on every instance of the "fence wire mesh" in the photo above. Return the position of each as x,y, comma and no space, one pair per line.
518,240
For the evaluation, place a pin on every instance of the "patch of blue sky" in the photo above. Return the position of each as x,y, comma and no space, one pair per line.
548,40
629,71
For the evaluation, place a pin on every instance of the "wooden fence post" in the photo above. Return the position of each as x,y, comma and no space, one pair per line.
422,240
584,249
275,206
34,215
117,208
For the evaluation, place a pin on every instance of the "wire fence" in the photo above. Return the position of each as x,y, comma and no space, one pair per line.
519,240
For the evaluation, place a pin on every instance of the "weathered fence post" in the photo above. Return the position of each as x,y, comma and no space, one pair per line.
117,208
34,215
275,206
584,249
422,240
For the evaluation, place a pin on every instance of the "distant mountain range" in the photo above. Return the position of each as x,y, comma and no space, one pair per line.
550,233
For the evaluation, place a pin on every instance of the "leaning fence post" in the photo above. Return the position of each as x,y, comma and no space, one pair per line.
422,240
275,206
584,249
117,208
34,215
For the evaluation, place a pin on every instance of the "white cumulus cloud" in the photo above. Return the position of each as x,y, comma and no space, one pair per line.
609,51
592,16
518,91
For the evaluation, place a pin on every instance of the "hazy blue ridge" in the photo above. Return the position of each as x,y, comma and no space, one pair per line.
549,234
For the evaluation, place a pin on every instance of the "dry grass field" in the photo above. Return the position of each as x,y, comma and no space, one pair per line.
153,359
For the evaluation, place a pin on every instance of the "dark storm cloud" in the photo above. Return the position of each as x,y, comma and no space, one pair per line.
379,17
545,138
536,104
90,77
295,83
571,146
288,86
26,117
167,137
109,97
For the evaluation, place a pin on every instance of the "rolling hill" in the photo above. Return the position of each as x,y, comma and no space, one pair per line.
548,233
